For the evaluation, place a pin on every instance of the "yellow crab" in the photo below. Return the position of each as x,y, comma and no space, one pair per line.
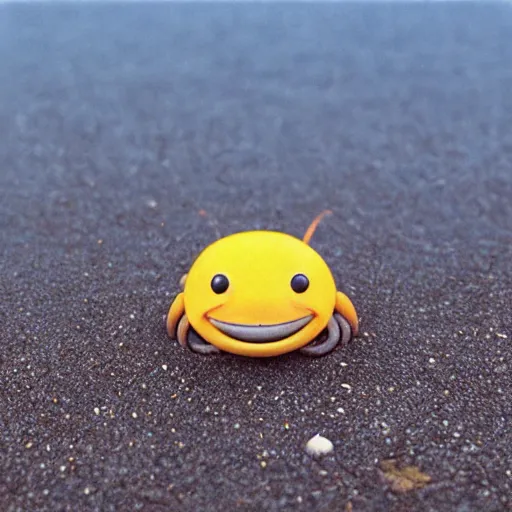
261,294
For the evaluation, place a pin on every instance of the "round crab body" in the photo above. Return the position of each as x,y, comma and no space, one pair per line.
261,294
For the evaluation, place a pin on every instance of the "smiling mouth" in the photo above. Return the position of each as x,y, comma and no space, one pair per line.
261,333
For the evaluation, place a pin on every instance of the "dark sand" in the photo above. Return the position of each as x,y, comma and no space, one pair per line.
119,123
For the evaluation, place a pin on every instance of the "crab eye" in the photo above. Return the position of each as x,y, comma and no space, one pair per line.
299,283
219,283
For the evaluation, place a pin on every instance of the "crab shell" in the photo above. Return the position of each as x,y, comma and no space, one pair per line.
261,316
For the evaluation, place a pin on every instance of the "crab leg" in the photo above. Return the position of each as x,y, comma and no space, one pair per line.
345,329
346,309
183,329
333,338
200,346
188,338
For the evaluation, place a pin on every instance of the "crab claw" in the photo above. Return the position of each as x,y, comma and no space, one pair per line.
175,314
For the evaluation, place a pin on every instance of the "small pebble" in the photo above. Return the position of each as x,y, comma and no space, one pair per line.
319,445
346,386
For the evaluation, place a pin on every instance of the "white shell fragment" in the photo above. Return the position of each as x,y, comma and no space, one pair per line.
319,445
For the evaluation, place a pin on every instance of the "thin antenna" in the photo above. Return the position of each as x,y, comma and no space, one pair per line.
211,222
314,225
